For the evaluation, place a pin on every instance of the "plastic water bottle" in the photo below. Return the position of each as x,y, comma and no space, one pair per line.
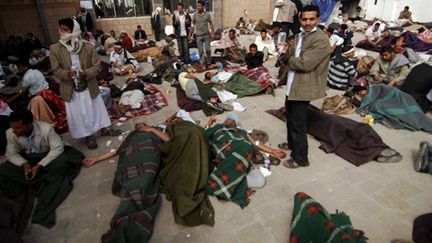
281,38
149,60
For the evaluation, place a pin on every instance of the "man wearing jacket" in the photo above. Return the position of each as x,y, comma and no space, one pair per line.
182,22
308,61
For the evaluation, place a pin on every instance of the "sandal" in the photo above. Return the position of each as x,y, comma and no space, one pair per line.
90,142
284,146
290,164
274,161
111,132
390,159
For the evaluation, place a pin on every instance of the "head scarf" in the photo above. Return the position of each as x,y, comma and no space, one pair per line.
233,117
72,41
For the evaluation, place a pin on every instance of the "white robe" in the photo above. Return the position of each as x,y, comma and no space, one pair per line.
85,115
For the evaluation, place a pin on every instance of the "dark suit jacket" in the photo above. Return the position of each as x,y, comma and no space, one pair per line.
177,24
143,34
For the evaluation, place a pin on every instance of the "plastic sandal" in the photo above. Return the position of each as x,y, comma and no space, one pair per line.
283,146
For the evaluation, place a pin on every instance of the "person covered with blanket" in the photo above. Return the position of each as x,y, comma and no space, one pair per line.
188,82
39,165
393,108
134,219
389,68
122,62
234,50
234,154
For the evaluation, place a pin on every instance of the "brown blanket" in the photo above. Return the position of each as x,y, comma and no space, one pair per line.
355,142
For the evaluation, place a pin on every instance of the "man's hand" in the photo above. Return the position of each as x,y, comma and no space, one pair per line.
35,170
88,162
71,74
27,168
82,74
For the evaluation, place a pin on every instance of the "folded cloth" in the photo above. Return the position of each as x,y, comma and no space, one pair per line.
238,107
225,96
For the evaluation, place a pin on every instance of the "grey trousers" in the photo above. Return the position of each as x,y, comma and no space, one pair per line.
203,44
192,91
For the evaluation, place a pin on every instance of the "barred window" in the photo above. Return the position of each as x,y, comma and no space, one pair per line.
188,4
122,8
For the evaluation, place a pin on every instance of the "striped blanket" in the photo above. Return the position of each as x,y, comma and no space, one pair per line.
232,158
135,182
151,104
261,75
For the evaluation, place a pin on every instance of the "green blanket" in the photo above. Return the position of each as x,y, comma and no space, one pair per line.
395,109
232,158
242,86
136,184
311,223
206,92
184,174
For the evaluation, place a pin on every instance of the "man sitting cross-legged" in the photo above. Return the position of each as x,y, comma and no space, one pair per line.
39,164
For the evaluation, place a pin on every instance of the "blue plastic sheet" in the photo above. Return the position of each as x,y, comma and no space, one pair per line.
326,8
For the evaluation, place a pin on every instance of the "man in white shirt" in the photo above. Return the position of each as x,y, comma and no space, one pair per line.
32,83
182,22
123,62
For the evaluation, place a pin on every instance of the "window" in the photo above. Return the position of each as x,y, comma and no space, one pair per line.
188,4
122,8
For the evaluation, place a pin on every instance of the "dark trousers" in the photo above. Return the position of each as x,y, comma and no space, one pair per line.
286,27
296,121
183,45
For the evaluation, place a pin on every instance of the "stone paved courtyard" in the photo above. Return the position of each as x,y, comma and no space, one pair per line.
381,199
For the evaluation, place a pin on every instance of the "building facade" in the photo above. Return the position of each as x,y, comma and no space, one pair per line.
40,17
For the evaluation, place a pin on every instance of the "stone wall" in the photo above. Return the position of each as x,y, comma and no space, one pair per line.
20,17
127,24
232,10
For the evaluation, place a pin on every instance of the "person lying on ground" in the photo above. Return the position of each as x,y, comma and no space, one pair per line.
233,157
342,70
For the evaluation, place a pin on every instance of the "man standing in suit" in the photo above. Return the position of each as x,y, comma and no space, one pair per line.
76,64
308,61
182,22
